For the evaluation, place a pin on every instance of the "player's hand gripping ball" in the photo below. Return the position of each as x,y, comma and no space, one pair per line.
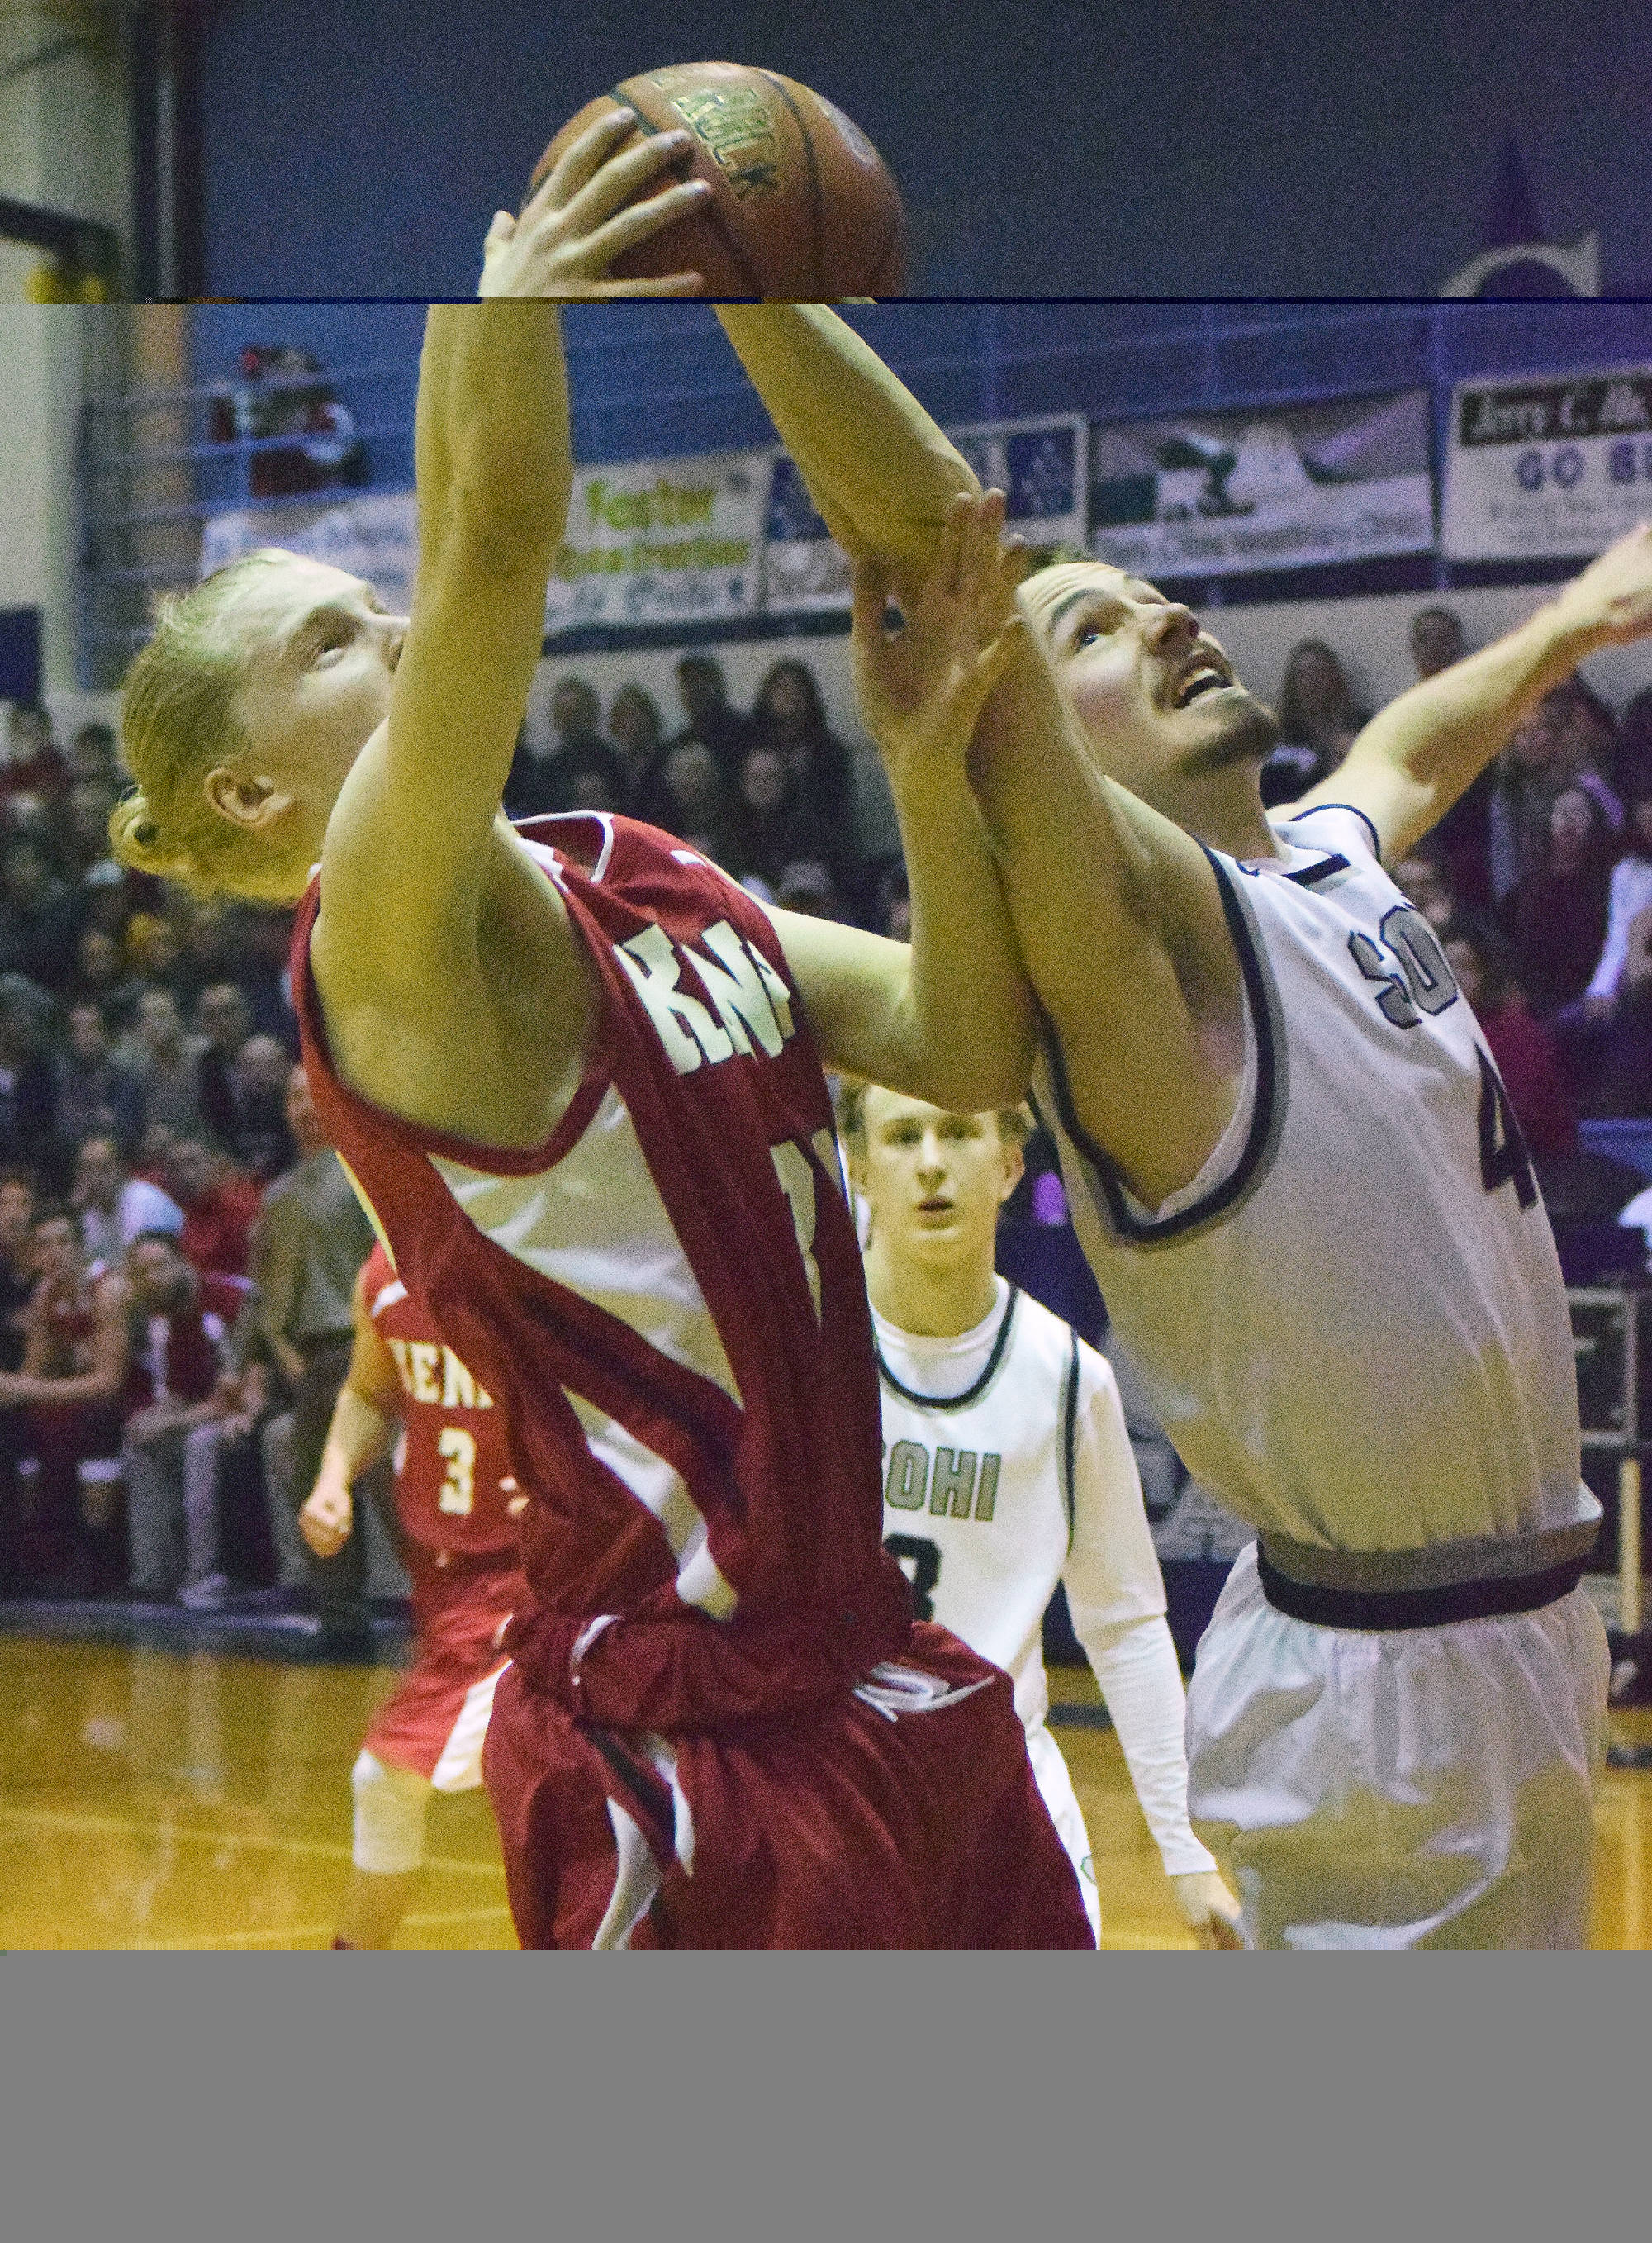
802,208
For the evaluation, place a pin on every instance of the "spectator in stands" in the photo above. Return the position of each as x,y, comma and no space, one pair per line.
34,764
695,805
1556,917
95,1096
1425,880
1525,1054
220,1204
114,1206
157,1052
579,769
764,833
258,938
260,1139
75,1353
806,885
1553,748
636,732
312,1239
28,1086
16,1284
86,832
1437,640
704,693
100,978
39,917
94,753
180,1391
789,715
223,1023
1624,1087
1632,773
1319,722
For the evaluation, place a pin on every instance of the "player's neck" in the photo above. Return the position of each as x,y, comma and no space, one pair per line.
930,1300
1225,811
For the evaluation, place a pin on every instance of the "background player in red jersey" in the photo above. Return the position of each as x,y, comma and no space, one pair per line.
457,1505
576,1073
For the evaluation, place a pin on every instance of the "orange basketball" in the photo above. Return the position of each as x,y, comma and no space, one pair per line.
802,209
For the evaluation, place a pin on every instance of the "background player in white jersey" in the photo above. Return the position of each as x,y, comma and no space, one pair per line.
1296,1173
1008,1468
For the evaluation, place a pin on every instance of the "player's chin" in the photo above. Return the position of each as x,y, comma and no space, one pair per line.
1232,727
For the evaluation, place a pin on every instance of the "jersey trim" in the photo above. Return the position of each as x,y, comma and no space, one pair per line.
989,1372
1353,811
1070,1440
1309,876
1267,1115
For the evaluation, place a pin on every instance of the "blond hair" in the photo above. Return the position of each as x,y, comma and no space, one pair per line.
1015,1122
178,721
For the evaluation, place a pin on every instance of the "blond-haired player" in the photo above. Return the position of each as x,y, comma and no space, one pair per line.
1007,1468
1298,1178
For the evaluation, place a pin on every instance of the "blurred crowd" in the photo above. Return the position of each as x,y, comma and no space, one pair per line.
178,1245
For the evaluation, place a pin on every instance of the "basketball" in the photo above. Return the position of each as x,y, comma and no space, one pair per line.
802,209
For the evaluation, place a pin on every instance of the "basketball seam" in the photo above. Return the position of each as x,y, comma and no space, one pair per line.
710,215
816,204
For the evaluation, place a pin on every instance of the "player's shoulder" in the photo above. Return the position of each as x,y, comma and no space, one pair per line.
1336,827
1040,1330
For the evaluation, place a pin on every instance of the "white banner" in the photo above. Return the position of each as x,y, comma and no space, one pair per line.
372,537
1213,493
661,541
1554,468
1040,465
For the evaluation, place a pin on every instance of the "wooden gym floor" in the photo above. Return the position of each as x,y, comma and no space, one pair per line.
192,1799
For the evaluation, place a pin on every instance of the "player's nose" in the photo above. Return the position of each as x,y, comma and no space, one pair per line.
1170,625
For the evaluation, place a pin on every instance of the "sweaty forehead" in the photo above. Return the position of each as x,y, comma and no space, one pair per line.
275,600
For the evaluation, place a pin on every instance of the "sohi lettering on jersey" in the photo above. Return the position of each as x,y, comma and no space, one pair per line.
948,1483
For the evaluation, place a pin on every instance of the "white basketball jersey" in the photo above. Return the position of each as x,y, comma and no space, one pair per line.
1352,1324
1006,1469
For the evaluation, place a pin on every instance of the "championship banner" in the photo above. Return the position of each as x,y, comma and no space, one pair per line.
376,538
1040,465
661,541
1214,494
1554,469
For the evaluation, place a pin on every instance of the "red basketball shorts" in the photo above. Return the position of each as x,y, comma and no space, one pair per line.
903,1814
434,1719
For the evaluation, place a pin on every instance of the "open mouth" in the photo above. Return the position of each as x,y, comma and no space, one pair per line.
1203,677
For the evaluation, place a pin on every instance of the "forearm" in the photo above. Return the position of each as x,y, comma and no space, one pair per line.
1440,734
879,470
1135,1668
358,1434
492,448
967,1015
82,1387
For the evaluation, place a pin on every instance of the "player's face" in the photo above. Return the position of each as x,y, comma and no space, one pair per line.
934,1181
1156,696
323,652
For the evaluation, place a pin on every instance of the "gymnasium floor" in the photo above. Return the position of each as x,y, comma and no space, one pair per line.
197,1798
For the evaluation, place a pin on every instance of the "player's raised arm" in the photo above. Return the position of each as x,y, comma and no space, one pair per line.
881,472
1414,759
493,472
951,1018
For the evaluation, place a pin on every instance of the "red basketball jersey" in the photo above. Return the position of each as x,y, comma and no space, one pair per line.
666,1300
454,1488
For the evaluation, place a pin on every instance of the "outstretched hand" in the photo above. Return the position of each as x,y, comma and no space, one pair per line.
1612,597
584,215
923,686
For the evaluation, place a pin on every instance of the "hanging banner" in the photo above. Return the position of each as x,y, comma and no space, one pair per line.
1040,466
374,537
1215,494
661,541
1554,469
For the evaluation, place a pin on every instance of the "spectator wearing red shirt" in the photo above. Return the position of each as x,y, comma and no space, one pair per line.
75,1361
220,1204
180,1390
1525,1053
